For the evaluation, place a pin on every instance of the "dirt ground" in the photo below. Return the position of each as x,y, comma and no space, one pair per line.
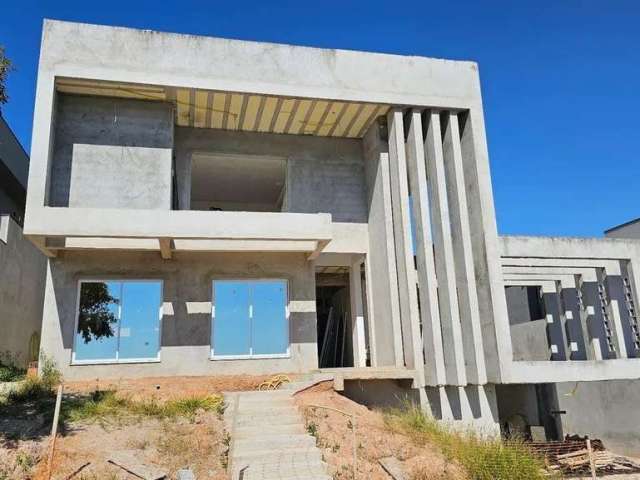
169,388
168,445
199,443
335,436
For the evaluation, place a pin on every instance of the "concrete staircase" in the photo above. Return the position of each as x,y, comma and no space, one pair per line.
268,437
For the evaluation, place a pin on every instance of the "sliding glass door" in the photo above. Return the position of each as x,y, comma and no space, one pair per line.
250,319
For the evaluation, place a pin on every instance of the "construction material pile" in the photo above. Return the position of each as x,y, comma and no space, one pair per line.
576,456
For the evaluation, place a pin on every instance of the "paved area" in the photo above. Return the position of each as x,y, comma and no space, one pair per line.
268,437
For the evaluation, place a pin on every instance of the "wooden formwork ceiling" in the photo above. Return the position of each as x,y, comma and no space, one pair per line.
244,111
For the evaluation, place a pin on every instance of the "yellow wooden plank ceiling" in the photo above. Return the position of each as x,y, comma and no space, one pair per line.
247,112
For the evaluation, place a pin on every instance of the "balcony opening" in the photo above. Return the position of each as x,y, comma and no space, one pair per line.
238,183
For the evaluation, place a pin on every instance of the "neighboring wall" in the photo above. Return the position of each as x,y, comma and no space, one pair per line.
324,175
186,322
113,153
22,269
606,410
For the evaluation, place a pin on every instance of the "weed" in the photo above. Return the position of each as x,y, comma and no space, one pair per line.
483,458
104,405
312,429
37,388
9,369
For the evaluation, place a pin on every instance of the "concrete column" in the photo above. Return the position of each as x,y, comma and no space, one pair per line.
571,313
463,254
632,278
590,352
445,267
428,285
596,321
615,294
496,335
408,293
382,279
357,315
555,330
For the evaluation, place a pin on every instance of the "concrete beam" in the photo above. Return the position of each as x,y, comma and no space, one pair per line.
165,248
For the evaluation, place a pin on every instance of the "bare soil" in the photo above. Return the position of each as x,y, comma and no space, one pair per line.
172,444
334,434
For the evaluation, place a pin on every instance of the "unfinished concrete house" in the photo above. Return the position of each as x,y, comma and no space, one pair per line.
212,206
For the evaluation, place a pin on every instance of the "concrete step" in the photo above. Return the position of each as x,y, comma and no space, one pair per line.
267,399
307,469
265,409
251,431
273,442
257,474
292,456
266,421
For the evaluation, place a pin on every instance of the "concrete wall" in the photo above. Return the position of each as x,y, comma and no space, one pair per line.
324,175
12,154
22,274
186,330
628,230
606,410
113,153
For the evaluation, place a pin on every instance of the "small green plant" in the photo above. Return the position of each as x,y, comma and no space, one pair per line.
484,458
9,369
25,461
312,429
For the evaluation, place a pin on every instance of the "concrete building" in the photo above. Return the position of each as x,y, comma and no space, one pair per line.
212,206
21,263
629,229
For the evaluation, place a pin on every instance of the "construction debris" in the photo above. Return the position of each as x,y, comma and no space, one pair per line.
394,468
126,459
186,474
574,456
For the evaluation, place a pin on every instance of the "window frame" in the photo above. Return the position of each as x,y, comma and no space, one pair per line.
117,360
250,356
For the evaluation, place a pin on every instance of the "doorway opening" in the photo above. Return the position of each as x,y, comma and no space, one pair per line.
335,343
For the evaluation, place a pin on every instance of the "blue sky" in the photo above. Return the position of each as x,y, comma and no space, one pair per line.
561,82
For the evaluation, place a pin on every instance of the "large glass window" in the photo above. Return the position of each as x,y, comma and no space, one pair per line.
118,321
250,319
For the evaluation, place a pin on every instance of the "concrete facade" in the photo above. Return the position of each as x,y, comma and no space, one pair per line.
373,147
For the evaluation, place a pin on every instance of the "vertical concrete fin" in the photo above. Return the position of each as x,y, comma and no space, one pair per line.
382,279
357,315
408,293
463,253
492,301
445,267
428,285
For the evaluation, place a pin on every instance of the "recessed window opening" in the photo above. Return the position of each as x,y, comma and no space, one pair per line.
118,321
238,183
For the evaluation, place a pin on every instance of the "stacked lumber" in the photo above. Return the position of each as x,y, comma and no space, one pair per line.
578,461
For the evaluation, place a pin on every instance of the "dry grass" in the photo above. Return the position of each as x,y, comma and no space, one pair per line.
483,458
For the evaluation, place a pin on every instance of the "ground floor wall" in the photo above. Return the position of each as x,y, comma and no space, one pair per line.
608,410
22,274
185,344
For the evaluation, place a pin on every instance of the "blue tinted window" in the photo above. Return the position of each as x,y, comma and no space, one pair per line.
250,318
140,320
269,324
118,321
98,321
232,331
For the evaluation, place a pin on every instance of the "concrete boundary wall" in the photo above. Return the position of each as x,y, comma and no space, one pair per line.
22,276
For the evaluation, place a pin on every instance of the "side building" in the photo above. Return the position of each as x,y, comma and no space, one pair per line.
22,265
